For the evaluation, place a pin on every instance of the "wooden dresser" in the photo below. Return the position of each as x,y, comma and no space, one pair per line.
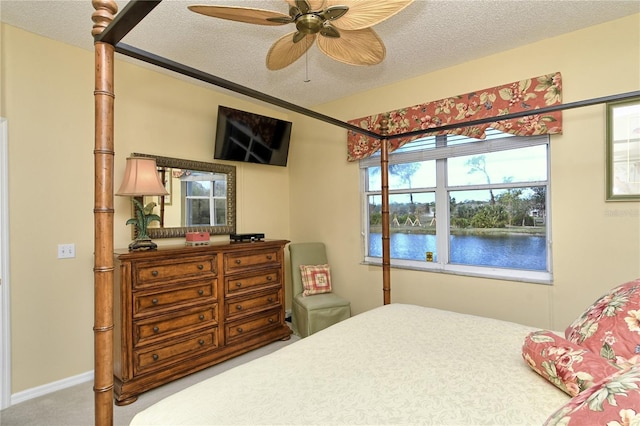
180,309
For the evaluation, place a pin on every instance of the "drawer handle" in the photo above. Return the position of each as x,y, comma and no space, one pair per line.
239,329
269,257
270,300
201,292
201,267
271,320
154,301
238,261
201,342
156,329
154,273
201,317
239,307
269,278
155,357
238,284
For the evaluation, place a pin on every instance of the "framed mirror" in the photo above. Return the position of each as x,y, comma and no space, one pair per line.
202,198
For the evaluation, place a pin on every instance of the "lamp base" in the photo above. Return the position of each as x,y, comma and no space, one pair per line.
144,244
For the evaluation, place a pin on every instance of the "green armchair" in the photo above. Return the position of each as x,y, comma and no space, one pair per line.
313,313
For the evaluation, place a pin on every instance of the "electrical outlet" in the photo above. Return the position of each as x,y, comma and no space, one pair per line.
66,251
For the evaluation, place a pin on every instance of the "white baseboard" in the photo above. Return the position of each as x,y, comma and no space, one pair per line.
28,394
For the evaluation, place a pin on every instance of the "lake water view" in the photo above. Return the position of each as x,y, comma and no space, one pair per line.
503,251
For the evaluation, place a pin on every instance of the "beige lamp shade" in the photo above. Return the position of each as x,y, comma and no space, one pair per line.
141,178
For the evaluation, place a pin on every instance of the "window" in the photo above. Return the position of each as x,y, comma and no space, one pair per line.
464,206
205,199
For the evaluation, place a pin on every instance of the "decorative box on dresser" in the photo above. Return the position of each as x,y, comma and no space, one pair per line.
178,310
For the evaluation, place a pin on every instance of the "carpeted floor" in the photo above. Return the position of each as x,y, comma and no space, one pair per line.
74,406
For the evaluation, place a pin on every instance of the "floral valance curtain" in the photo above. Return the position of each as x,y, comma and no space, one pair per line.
529,94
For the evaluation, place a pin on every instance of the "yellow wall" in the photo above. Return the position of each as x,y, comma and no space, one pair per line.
47,97
596,244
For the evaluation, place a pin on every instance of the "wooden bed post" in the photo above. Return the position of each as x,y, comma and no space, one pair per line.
386,247
105,11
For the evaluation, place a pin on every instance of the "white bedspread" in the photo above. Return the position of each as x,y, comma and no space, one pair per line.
397,364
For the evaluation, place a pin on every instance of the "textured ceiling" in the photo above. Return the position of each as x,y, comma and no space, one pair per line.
428,35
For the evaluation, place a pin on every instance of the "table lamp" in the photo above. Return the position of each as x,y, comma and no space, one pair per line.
141,178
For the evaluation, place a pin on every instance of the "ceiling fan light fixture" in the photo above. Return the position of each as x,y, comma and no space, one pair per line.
309,23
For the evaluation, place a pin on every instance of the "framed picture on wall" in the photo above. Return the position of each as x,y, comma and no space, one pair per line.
623,150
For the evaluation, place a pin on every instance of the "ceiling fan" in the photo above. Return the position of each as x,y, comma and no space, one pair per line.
341,28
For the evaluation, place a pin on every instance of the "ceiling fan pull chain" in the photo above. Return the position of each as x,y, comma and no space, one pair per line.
306,63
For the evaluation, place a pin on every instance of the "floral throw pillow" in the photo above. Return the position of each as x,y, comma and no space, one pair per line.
316,279
611,326
614,401
566,365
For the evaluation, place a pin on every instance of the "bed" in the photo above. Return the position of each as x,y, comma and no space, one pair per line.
396,364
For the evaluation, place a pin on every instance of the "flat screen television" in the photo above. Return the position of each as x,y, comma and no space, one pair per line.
253,138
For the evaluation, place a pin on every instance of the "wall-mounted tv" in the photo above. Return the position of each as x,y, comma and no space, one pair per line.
253,138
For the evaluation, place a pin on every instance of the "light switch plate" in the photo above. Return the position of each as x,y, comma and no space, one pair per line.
66,251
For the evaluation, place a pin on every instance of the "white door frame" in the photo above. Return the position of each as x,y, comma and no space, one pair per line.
5,313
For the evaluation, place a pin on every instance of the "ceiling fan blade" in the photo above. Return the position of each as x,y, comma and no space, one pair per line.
313,4
365,14
298,36
329,30
294,11
359,47
303,5
284,52
280,20
334,12
243,14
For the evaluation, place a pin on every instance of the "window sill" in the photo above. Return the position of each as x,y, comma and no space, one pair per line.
533,277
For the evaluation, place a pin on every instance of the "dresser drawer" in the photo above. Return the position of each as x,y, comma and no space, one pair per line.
247,306
160,355
150,330
146,302
252,326
151,273
238,285
256,258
